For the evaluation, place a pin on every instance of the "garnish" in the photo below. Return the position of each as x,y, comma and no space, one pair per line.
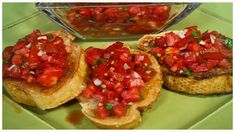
99,60
195,34
188,73
228,43
49,37
109,106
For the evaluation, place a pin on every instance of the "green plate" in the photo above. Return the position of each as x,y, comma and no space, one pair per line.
171,111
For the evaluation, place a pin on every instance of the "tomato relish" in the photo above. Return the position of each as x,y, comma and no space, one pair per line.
36,58
189,51
118,21
116,78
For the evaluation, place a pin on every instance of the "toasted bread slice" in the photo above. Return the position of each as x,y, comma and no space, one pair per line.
150,93
215,83
67,88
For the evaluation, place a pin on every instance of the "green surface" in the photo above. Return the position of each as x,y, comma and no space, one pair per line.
171,111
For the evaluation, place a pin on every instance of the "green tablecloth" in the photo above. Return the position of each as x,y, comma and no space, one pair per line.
171,111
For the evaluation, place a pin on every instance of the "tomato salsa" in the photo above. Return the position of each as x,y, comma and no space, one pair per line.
116,77
36,58
118,21
189,51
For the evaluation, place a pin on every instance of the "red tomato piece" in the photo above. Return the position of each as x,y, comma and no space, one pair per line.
225,63
92,54
102,112
171,39
89,91
17,59
119,110
131,95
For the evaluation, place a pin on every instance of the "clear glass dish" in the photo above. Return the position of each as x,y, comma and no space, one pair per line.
115,20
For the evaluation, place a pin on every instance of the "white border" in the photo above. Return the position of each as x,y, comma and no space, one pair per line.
11,1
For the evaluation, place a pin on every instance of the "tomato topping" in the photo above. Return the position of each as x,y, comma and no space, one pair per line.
192,51
36,58
116,77
118,21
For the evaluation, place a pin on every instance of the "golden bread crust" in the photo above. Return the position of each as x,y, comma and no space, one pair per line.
66,88
211,85
150,93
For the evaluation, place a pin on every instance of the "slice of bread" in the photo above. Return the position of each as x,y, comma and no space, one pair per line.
214,84
150,93
67,88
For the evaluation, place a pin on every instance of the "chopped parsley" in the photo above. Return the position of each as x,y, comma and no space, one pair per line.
228,43
5,62
77,15
99,60
188,73
206,31
109,106
195,34
49,37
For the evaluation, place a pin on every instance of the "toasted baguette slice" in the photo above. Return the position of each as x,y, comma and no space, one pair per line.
150,93
66,88
212,84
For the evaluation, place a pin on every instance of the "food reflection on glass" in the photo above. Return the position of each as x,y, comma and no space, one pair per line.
118,21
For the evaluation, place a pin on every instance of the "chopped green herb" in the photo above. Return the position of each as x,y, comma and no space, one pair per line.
228,43
109,106
49,37
195,34
5,62
188,73
77,15
99,60
206,31
24,38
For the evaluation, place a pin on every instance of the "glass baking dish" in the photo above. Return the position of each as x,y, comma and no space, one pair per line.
115,20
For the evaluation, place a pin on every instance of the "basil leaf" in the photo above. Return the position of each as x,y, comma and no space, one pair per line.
188,73
77,15
99,60
49,37
5,62
109,106
228,43
206,31
195,34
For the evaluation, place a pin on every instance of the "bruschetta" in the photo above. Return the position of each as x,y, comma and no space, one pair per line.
44,70
122,83
192,62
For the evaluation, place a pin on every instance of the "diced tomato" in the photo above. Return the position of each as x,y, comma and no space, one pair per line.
23,52
199,68
14,72
50,48
50,76
134,10
194,46
92,54
17,59
213,55
102,112
131,95
89,91
157,51
8,52
20,44
168,59
119,110
118,88
160,42
212,63
171,39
